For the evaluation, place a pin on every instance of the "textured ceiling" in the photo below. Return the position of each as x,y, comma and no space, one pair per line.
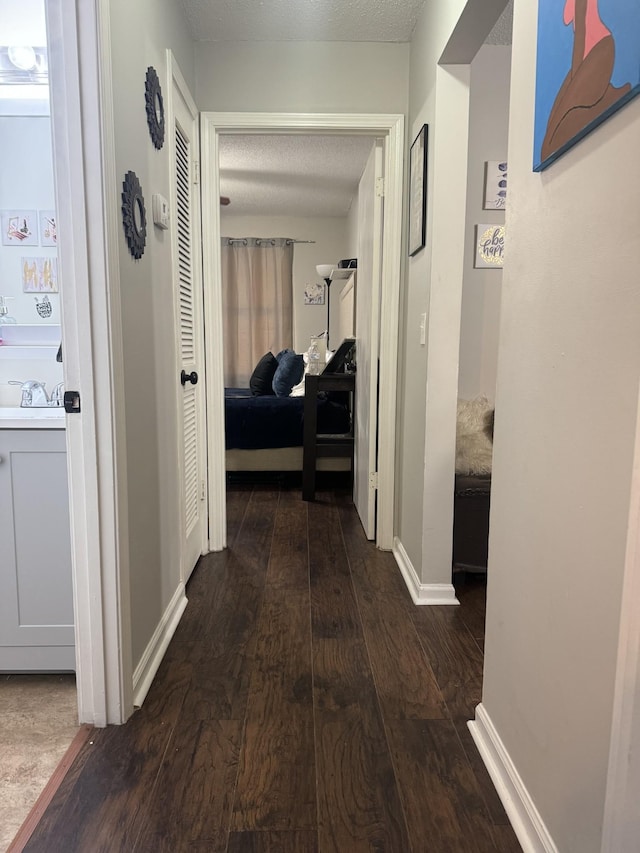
282,175
302,20
291,175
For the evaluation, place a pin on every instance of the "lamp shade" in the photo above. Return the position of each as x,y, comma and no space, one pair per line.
325,270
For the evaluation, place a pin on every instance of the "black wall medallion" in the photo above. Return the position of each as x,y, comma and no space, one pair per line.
155,107
134,217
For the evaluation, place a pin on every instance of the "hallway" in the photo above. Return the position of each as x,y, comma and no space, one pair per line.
305,704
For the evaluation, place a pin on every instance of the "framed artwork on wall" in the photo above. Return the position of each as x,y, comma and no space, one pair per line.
588,67
19,228
489,246
39,275
314,294
418,192
495,185
48,228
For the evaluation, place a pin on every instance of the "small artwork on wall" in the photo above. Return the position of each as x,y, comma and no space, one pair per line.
19,228
495,185
314,294
39,275
48,228
489,246
44,308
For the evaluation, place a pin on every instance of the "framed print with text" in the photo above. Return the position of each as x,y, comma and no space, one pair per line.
418,192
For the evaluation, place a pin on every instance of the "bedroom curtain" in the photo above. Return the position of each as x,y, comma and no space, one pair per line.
257,303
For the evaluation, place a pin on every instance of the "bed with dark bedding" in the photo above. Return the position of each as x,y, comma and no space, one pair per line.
264,433
264,424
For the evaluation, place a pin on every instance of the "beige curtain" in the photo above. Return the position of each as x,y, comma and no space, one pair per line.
257,302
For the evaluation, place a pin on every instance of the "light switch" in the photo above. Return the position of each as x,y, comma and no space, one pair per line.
423,330
160,210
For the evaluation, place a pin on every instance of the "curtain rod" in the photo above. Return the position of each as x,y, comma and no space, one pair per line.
259,241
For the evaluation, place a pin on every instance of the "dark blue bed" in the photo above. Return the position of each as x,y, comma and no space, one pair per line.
265,422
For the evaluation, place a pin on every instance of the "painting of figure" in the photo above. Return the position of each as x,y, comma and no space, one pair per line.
588,66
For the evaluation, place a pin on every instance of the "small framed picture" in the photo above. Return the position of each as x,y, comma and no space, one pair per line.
48,228
489,246
19,227
39,275
418,192
495,185
314,294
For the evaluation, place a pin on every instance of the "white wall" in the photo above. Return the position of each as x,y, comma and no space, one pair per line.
26,183
140,33
314,77
331,245
488,134
431,34
567,394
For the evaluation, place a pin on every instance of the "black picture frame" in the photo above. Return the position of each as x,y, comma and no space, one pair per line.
418,191
134,217
154,106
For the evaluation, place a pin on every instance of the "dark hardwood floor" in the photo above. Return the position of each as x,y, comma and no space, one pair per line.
305,705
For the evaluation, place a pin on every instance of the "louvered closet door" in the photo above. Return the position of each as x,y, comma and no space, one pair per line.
185,227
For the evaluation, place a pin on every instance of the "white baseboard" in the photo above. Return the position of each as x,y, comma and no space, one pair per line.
421,593
153,654
527,823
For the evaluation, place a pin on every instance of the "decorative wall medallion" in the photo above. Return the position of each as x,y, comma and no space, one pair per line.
155,107
134,217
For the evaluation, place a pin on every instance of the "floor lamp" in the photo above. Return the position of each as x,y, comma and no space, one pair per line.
324,271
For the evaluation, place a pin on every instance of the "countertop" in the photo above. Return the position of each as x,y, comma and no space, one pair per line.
15,417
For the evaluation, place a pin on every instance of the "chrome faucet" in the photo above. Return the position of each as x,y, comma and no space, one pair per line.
57,395
34,395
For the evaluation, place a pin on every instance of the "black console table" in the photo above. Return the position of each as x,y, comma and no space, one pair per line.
317,446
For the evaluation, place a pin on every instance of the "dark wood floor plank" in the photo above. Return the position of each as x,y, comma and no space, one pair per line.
358,803
191,805
305,705
454,657
342,678
505,839
485,785
334,610
289,563
406,685
327,552
438,789
471,591
237,502
273,842
276,778
103,811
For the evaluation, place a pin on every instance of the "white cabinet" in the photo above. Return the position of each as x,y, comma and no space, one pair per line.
36,597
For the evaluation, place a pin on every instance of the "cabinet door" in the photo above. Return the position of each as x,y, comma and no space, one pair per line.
36,596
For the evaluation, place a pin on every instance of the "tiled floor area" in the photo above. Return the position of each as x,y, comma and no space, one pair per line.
38,721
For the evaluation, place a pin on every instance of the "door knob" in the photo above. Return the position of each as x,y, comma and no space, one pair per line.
189,377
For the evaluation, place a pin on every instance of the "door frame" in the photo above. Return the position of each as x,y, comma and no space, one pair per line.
390,128
87,209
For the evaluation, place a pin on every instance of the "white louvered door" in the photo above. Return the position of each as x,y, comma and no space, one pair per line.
190,334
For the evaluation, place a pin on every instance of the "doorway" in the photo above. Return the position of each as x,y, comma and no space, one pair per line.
391,130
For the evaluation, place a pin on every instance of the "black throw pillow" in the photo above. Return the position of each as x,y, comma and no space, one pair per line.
261,381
